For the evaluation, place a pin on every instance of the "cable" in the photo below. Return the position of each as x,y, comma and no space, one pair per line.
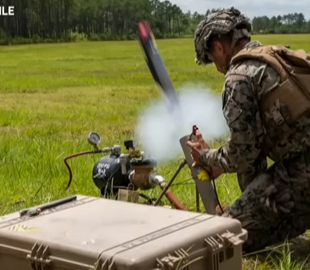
95,151
215,191
76,155
147,198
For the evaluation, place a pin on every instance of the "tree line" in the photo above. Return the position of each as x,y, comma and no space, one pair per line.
37,21
291,23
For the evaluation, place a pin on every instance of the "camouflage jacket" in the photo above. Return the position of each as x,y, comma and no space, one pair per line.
242,152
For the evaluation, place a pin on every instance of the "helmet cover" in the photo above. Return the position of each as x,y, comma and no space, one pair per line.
218,23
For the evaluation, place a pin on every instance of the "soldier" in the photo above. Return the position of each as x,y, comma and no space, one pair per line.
268,116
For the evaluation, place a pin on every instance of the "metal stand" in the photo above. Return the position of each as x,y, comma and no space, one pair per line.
182,164
204,188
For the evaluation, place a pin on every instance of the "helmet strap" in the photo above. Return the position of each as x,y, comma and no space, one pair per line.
237,34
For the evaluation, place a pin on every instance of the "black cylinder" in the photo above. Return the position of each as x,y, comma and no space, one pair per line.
107,175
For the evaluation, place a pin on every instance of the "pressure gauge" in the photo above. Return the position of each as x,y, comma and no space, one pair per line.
94,138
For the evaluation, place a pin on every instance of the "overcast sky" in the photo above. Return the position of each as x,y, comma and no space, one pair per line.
249,8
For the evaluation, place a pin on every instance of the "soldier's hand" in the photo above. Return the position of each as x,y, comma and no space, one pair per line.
197,147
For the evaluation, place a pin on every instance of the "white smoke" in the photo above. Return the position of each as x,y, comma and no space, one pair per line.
159,131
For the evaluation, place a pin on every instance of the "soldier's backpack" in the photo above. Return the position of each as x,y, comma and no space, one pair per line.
293,90
293,66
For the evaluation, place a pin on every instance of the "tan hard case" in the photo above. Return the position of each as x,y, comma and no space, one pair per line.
100,234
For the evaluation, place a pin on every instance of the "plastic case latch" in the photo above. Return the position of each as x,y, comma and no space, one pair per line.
232,238
171,262
39,257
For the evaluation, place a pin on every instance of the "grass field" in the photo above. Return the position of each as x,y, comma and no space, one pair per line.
53,95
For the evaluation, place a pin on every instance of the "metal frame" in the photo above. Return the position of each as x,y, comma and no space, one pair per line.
204,189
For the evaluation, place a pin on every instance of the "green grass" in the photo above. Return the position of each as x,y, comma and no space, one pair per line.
53,95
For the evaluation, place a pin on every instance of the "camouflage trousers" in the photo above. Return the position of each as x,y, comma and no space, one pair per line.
275,205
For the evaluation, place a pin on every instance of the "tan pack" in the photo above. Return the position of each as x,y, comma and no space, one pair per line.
288,100
91,233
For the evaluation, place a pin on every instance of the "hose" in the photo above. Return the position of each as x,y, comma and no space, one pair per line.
174,200
96,151
167,186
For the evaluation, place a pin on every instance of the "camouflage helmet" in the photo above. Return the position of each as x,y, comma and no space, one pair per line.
218,23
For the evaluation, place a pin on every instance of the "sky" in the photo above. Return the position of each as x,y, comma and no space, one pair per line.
252,9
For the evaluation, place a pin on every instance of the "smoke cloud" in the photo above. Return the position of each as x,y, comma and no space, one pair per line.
159,130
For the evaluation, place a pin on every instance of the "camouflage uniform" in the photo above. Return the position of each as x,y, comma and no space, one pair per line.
275,201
